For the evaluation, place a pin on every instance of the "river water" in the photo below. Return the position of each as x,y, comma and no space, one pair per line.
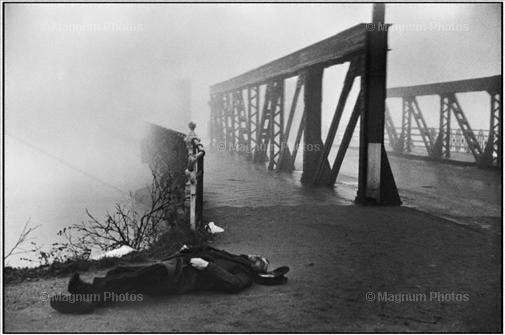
52,187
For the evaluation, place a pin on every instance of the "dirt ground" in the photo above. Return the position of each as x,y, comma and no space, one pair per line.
337,255
353,269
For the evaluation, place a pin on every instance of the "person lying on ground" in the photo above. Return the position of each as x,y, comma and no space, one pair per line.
189,270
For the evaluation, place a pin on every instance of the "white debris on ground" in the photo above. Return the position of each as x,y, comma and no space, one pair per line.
118,252
213,228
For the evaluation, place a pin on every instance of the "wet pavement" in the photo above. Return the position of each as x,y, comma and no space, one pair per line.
466,195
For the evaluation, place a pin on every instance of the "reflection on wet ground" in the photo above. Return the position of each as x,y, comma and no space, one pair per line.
465,194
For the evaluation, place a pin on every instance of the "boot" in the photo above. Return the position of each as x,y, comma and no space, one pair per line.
77,286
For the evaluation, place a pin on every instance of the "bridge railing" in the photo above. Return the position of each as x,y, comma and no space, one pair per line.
439,143
172,159
458,142
194,173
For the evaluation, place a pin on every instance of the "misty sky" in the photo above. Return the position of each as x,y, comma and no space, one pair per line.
126,67
79,78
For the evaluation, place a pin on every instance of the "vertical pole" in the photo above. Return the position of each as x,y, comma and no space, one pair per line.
376,184
234,117
408,106
225,121
499,129
312,135
199,192
193,191
443,143
249,122
257,131
493,151
222,119
446,128
271,124
280,124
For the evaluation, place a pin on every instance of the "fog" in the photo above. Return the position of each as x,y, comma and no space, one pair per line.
81,79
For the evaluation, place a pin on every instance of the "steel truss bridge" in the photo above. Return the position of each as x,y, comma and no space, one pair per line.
249,113
439,143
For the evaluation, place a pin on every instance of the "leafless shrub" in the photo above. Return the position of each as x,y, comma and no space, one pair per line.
23,238
125,225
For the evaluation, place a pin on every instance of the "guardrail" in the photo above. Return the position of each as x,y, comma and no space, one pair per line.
194,173
440,144
174,158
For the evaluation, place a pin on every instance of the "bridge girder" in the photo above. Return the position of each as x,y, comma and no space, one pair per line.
489,155
366,50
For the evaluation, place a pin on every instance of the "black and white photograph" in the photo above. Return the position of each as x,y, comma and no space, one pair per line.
252,167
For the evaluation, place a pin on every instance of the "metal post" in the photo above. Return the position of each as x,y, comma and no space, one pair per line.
258,120
498,115
228,123
199,191
376,183
443,143
406,134
312,135
221,125
263,131
195,176
253,114
250,121
492,153
285,159
278,127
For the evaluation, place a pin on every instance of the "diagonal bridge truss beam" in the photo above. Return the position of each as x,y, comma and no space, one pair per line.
258,120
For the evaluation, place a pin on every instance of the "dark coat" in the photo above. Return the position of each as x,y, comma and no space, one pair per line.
226,272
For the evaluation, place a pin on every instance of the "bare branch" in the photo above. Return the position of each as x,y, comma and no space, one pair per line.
23,237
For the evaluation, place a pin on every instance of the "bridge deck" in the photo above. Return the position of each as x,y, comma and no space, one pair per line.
463,194
339,253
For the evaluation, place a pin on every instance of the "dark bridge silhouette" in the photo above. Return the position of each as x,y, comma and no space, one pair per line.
260,131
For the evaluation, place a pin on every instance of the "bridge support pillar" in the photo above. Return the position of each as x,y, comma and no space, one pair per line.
442,147
492,155
376,184
313,144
